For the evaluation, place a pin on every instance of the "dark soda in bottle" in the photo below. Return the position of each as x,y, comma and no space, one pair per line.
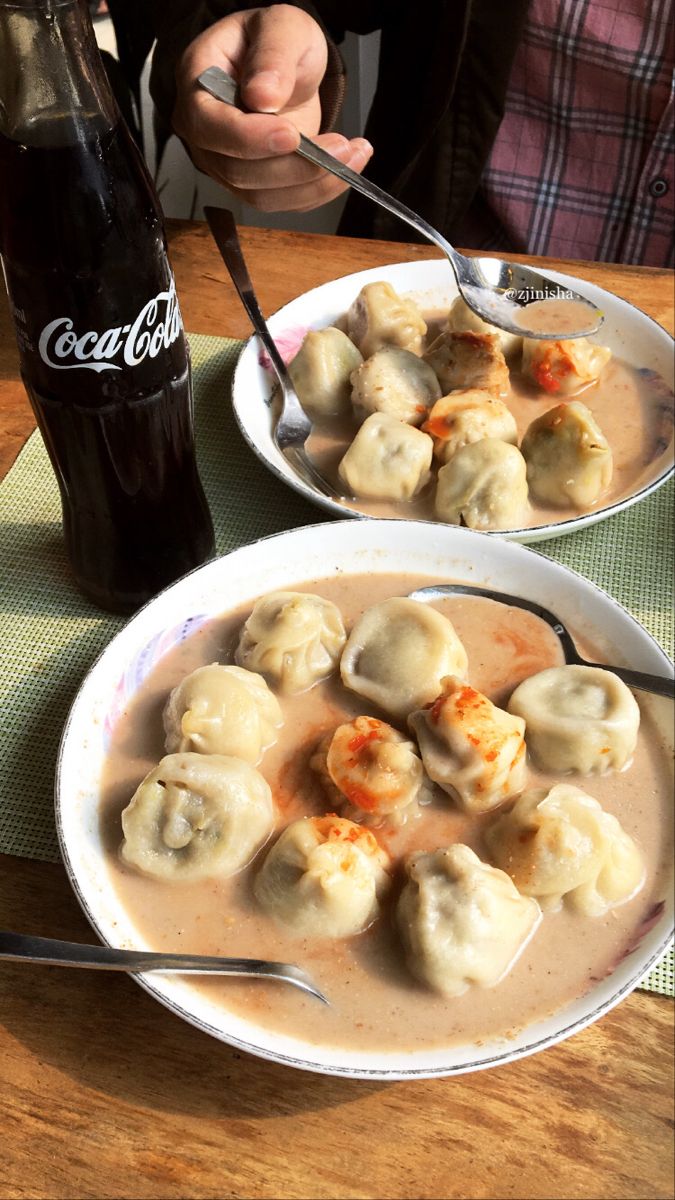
103,352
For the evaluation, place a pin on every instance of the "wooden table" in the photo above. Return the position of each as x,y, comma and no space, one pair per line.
106,1094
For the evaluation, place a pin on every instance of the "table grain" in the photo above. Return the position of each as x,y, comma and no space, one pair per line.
106,1094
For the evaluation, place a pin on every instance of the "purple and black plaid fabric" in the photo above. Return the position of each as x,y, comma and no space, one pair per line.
583,164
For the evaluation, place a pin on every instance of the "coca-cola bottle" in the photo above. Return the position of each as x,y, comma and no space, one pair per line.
103,353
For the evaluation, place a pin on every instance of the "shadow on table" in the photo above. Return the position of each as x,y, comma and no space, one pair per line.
108,1035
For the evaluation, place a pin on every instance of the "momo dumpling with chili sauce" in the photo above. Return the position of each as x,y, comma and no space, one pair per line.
561,845
222,710
388,460
196,816
371,772
563,367
396,382
466,416
569,460
321,372
472,749
578,718
293,639
483,486
462,922
380,317
397,654
323,877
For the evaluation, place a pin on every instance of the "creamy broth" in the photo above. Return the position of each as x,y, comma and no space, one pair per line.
632,406
375,1003
633,409
559,316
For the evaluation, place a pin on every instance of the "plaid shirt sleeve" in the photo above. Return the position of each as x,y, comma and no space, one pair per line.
583,163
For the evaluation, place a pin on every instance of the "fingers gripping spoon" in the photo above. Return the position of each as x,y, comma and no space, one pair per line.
496,290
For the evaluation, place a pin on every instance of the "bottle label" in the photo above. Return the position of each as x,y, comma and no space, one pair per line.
156,326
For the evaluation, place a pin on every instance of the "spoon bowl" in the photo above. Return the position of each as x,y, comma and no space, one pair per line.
642,680
497,291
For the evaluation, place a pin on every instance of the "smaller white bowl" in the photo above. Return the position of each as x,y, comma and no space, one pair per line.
629,333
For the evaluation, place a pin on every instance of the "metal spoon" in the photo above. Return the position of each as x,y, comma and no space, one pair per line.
293,426
636,679
19,947
494,289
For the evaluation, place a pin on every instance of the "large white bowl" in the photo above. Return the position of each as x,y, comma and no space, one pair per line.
315,552
629,333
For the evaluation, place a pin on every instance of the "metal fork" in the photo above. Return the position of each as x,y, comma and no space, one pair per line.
20,947
636,679
293,426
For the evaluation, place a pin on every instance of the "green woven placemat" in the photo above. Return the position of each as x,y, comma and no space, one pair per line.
51,634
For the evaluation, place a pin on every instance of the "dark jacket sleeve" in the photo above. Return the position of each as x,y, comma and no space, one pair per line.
442,81
439,103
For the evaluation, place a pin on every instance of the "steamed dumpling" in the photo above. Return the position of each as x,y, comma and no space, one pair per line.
563,367
469,360
294,639
468,416
397,654
379,317
471,748
483,486
323,878
222,710
321,372
397,382
388,460
578,718
370,771
568,458
461,317
562,844
462,922
195,816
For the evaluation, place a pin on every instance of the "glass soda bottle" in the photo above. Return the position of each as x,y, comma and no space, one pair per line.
103,352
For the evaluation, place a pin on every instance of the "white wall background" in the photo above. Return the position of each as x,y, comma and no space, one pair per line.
184,191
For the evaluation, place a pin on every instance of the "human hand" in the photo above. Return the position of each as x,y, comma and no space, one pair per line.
279,57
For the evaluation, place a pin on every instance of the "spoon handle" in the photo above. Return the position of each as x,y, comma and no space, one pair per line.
52,952
642,680
321,158
19,947
223,87
223,227
661,685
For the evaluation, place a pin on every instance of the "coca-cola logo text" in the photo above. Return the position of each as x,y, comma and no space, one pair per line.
157,325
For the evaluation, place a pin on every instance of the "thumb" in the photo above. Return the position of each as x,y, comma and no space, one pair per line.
285,60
